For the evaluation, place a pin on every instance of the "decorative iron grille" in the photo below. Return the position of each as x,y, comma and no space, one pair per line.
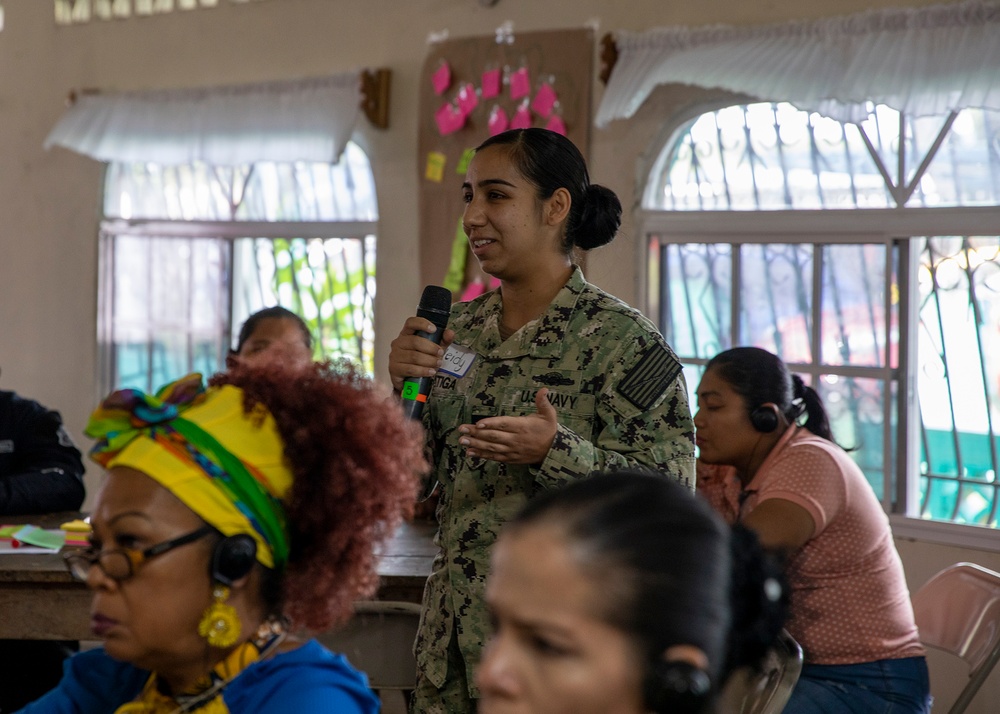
838,305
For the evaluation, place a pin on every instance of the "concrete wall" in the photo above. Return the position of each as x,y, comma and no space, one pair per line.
50,201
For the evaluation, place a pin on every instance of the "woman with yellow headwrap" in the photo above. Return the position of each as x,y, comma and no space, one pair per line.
230,516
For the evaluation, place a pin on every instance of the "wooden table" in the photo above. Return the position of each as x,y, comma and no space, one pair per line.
40,601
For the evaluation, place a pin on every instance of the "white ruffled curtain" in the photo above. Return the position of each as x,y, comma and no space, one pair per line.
921,61
300,120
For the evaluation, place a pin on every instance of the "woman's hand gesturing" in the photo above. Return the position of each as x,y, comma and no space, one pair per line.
513,439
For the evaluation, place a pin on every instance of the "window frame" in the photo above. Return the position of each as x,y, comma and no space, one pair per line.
892,226
228,231
229,205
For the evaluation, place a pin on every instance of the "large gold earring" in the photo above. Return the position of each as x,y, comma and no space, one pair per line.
220,624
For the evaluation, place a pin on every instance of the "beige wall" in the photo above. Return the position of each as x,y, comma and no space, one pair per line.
50,201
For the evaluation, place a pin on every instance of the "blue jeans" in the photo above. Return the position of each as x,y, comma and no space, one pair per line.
888,686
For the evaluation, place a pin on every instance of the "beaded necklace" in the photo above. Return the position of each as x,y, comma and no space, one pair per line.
206,695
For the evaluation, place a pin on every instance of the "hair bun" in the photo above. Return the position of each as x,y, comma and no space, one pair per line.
599,220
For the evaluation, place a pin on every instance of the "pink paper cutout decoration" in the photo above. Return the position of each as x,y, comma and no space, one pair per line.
449,119
521,118
467,99
544,100
520,83
556,124
477,288
441,79
491,83
498,121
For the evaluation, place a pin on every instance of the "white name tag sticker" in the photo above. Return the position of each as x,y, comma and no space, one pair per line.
457,360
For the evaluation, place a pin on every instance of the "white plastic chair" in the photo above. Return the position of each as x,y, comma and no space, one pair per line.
958,611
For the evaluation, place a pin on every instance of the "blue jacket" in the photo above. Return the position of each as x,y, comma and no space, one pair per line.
307,679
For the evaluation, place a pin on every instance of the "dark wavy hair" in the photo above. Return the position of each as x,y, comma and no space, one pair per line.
356,460
275,312
669,569
551,161
760,377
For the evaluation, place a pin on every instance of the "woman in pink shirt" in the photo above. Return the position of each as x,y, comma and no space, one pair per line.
806,497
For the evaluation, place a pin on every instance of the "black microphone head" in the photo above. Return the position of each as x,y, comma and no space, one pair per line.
435,305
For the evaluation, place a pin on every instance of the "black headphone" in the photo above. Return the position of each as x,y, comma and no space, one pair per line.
764,418
233,558
675,687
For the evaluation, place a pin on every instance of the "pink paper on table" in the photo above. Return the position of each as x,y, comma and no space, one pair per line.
467,99
498,121
556,124
441,79
520,83
521,118
545,99
491,83
449,119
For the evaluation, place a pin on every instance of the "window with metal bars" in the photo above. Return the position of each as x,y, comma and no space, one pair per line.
188,252
867,257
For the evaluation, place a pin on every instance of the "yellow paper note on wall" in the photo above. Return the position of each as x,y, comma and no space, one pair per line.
435,166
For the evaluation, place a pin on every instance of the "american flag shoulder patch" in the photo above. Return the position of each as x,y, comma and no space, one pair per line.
648,379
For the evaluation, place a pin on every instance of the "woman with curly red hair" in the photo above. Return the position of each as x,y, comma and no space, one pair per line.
231,517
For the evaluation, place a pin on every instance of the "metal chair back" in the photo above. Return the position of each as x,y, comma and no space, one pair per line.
958,611
768,691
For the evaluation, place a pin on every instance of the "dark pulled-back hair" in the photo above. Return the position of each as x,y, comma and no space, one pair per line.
761,378
670,571
356,460
551,161
275,312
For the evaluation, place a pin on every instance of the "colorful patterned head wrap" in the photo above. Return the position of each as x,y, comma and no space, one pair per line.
225,464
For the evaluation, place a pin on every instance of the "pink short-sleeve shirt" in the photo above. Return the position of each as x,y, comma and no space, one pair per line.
850,602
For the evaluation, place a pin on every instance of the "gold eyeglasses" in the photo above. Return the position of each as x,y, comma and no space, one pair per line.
122,563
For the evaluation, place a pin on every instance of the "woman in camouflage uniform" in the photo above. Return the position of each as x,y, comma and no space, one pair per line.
544,380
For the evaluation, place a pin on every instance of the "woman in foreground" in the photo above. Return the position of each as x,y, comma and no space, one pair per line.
231,518
805,497
623,594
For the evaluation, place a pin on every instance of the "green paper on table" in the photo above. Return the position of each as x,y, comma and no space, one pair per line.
41,537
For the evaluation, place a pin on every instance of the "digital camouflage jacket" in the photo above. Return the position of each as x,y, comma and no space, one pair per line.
621,401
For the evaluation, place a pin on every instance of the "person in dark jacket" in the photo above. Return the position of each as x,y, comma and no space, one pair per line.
40,468
40,472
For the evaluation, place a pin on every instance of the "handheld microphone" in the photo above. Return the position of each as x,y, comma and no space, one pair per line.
435,305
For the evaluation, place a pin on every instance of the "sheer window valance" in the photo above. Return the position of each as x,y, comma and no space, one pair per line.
300,120
921,61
